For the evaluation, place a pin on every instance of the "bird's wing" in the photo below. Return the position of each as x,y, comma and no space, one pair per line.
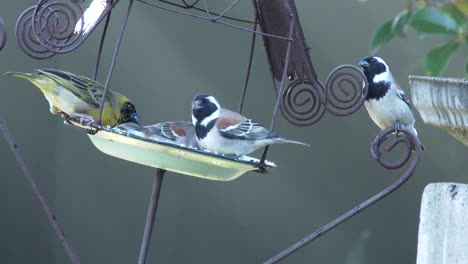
169,130
401,94
84,88
235,126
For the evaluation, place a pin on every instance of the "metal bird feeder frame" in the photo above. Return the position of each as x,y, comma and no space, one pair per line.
48,28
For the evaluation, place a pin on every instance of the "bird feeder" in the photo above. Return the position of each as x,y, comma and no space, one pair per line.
59,26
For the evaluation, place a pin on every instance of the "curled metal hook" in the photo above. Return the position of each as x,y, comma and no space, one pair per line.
351,84
302,103
410,141
412,148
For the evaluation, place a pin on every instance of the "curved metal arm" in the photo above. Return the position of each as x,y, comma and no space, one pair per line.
411,142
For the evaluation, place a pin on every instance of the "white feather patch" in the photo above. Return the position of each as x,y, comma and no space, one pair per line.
210,118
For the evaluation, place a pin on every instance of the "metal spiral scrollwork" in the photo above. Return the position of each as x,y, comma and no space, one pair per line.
26,38
408,139
302,103
55,23
50,28
349,81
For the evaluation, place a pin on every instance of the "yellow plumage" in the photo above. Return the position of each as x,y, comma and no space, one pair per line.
79,97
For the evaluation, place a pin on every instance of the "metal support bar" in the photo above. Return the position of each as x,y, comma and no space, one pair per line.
152,208
283,81
411,142
37,191
249,68
114,60
101,46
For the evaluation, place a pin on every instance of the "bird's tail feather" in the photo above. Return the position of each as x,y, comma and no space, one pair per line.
25,75
283,140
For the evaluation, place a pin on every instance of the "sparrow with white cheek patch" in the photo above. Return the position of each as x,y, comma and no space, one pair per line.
386,103
176,132
226,132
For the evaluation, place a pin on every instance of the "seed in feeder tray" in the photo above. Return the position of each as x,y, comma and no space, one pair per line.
80,97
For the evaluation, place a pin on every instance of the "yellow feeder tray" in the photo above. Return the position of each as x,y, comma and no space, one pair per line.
136,148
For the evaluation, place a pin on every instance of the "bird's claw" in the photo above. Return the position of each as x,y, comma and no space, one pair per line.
397,127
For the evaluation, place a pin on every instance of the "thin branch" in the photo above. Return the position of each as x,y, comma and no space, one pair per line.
37,191
153,207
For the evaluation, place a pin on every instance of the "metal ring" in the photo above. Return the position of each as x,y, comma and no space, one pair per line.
302,103
346,90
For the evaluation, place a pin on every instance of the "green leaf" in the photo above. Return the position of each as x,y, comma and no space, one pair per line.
437,58
431,20
462,5
382,36
456,14
400,23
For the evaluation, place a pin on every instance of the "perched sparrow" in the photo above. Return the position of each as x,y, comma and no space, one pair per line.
227,132
176,132
79,97
386,103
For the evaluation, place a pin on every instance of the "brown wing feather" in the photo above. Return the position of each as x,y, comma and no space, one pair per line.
229,119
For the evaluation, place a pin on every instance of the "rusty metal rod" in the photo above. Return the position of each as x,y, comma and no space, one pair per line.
369,202
249,68
210,19
37,191
114,60
151,215
281,88
101,46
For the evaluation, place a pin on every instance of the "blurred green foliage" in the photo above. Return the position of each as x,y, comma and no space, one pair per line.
427,19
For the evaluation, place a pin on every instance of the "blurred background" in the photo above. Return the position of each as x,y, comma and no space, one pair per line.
165,60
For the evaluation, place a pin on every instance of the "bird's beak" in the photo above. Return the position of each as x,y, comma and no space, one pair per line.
196,104
364,64
135,118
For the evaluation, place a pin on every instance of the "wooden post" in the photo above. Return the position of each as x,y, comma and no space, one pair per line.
443,227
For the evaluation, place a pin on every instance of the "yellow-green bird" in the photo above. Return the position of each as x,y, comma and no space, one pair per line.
79,97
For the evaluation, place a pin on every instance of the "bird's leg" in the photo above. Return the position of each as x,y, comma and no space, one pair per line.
67,122
397,127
